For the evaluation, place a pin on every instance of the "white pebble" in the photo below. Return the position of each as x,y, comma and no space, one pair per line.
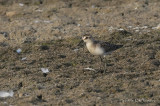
44,70
21,4
6,94
19,50
24,58
91,69
75,50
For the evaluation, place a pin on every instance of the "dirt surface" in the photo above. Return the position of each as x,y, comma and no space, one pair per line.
48,32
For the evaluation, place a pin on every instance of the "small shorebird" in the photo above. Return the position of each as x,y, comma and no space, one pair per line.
99,48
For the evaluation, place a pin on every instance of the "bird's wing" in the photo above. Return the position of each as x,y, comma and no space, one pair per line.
108,46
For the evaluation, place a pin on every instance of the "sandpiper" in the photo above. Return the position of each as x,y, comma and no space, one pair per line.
99,48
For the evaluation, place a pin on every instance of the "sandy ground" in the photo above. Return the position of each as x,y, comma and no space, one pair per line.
48,32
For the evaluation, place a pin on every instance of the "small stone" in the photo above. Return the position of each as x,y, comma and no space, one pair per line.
140,42
5,34
67,64
89,89
151,55
151,95
147,83
45,74
44,70
69,100
10,13
156,62
39,97
20,95
44,47
82,94
57,92
62,56
122,14
20,85
19,50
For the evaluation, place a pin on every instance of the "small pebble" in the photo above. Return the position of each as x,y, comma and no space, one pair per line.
19,51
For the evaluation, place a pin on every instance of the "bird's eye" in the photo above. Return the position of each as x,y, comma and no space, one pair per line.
86,37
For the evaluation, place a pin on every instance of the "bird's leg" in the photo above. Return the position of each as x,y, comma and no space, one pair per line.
101,62
101,58
105,66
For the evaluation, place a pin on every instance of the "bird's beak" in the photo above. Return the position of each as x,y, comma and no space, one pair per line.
80,43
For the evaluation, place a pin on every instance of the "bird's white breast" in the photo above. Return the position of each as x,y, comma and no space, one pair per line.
95,49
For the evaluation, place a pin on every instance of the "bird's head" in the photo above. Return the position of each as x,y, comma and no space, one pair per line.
87,38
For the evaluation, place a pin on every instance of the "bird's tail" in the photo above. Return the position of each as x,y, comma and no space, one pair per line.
119,46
